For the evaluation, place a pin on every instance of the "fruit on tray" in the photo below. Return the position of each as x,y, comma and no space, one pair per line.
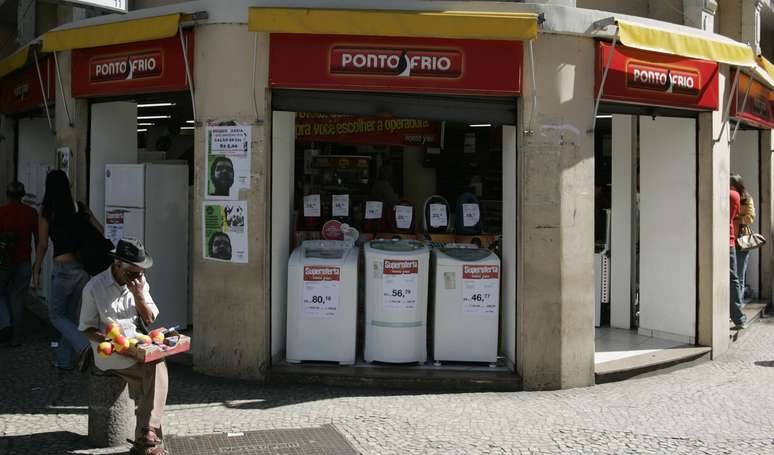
143,339
133,342
105,349
113,330
157,336
121,343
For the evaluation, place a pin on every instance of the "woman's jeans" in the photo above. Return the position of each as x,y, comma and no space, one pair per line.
742,260
67,284
736,299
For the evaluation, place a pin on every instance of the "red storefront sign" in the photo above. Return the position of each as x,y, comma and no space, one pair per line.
366,63
759,107
144,67
655,79
346,129
20,91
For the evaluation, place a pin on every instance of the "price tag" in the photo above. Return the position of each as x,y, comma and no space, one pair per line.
438,216
480,289
321,291
399,285
373,210
340,205
470,215
312,205
404,214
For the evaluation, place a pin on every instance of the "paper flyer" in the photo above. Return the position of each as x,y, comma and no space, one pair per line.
228,161
114,226
225,231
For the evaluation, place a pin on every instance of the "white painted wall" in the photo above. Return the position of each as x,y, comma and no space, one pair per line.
37,149
113,141
283,142
668,228
621,222
509,243
745,162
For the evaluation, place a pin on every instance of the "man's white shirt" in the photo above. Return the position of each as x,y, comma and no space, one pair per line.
105,301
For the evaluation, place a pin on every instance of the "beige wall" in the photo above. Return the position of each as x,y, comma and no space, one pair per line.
555,285
729,18
231,301
664,10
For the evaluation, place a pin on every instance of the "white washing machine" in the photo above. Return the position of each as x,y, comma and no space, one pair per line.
467,305
396,301
322,302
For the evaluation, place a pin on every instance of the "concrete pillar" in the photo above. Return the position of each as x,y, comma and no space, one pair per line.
111,411
713,249
72,131
555,248
231,301
765,215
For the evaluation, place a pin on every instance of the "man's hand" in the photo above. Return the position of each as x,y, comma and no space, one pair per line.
136,287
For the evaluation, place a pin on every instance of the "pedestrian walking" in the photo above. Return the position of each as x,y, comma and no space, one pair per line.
58,220
20,222
735,298
121,295
746,217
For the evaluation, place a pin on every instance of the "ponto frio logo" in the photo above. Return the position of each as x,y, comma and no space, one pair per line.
396,62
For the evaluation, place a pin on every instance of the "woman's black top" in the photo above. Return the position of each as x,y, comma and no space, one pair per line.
64,234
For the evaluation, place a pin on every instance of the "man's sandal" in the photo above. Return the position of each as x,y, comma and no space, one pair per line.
149,444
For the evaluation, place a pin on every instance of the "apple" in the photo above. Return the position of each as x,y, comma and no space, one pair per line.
133,342
144,339
113,330
157,336
121,343
105,349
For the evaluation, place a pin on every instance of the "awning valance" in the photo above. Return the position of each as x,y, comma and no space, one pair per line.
679,42
415,24
14,61
765,71
130,31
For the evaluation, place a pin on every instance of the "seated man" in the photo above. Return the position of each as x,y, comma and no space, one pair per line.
120,294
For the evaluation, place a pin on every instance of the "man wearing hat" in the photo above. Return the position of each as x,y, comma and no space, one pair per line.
18,226
121,295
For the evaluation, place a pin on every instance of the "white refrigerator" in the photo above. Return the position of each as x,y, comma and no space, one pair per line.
150,202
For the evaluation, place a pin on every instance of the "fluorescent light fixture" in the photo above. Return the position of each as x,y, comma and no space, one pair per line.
156,105
605,116
146,124
153,117
142,130
480,125
189,121
187,127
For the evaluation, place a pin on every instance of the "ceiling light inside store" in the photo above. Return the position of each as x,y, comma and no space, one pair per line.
156,105
480,125
146,124
187,127
605,116
153,117
189,121
142,130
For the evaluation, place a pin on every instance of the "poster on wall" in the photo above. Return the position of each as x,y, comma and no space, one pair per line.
225,231
114,225
63,158
228,161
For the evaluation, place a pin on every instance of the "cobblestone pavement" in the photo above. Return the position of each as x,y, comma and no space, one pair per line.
719,407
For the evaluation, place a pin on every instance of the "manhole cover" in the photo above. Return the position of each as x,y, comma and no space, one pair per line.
302,441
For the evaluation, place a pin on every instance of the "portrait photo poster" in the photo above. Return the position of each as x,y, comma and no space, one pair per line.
224,236
228,161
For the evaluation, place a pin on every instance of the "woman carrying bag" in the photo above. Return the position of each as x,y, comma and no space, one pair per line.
742,222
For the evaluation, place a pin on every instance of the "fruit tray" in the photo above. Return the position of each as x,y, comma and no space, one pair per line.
147,353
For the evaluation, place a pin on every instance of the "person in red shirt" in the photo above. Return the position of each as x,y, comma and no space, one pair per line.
21,221
735,292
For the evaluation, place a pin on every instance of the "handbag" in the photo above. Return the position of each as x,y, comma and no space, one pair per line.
749,240
93,249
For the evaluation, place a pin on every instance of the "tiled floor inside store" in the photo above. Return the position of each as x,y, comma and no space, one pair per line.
615,344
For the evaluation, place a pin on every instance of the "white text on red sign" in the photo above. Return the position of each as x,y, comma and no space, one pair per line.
396,62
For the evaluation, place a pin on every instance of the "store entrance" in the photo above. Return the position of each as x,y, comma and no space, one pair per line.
646,232
140,185
426,180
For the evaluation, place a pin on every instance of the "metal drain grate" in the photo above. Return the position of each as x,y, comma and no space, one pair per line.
303,441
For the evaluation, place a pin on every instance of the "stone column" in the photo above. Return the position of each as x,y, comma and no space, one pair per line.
765,215
714,155
231,301
555,216
72,131
111,411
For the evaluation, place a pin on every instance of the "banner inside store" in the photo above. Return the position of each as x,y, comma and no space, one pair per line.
346,129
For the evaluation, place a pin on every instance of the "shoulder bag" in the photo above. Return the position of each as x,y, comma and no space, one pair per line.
749,240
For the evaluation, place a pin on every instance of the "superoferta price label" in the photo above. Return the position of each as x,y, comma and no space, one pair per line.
322,291
480,289
399,284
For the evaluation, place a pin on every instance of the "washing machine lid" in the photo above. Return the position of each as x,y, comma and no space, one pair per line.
323,253
397,246
466,254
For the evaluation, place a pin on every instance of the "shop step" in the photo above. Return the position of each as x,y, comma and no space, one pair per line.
753,311
655,360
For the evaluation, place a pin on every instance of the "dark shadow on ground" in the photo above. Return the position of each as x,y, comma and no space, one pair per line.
51,443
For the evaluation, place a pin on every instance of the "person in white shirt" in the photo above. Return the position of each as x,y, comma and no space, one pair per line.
121,295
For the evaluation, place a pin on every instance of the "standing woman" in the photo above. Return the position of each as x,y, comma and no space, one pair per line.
746,217
58,220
